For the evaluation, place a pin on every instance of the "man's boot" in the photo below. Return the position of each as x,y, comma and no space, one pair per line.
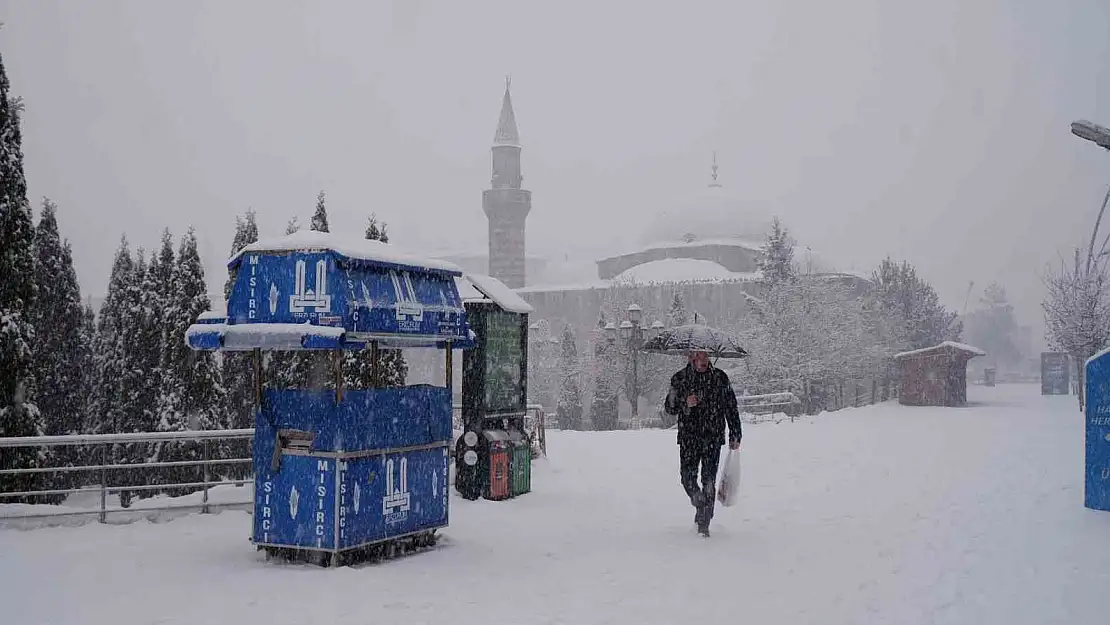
698,501
705,511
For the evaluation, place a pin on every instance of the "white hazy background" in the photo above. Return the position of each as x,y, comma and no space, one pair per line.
931,131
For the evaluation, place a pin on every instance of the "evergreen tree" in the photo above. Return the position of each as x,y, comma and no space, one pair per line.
140,380
19,416
294,225
677,315
777,261
604,408
320,217
246,232
88,366
106,404
912,307
569,407
375,230
109,400
191,396
159,313
140,354
147,337
358,366
994,328
162,273
61,350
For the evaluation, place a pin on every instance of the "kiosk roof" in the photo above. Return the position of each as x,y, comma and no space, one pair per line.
351,248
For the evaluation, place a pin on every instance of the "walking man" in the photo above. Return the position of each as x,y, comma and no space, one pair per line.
702,398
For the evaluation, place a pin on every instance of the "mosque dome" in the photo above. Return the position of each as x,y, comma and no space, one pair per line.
711,215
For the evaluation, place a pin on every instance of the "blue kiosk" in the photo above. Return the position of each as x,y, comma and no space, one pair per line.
342,471
1097,486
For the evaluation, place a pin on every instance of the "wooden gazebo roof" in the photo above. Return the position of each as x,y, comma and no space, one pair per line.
947,347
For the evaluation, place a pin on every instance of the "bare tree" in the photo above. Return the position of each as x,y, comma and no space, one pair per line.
1077,306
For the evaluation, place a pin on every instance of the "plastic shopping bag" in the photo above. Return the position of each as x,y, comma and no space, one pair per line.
728,491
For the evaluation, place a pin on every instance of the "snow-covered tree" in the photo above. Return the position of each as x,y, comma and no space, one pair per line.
143,346
677,315
1077,309
569,406
543,365
376,230
246,232
604,407
358,366
61,350
913,307
294,225
776,262
994,328
19,416
88,364
192,393
140,379
107,405
320,217
808,335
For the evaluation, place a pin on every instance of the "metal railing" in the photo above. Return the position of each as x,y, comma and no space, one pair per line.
99,448
103,444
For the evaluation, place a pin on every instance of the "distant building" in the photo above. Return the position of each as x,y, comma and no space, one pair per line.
704,248
935,376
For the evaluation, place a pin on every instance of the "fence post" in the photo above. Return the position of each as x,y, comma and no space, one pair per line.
103,484
543,432
204,501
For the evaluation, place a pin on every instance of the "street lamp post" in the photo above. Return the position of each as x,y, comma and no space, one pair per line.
633,334
1100,136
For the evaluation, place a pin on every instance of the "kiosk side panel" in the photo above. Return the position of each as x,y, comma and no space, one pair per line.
392,495
295,505
291,287
363,420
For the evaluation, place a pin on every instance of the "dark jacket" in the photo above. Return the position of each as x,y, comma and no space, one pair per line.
704,423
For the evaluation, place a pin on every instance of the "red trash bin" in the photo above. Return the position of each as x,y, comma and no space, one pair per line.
498,448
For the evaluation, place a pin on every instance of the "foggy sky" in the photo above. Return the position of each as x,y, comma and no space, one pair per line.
931,131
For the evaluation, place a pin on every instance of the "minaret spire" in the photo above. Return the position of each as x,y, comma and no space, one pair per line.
713,183
506,133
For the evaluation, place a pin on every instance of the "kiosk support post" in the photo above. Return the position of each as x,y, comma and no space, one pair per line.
337,359
257,378
375,365
450,364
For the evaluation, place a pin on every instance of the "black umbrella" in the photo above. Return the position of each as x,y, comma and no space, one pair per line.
680,340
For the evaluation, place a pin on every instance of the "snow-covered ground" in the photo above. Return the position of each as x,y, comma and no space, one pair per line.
875,515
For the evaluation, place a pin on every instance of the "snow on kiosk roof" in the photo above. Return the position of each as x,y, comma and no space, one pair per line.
347,248
970,351
478,287
315,290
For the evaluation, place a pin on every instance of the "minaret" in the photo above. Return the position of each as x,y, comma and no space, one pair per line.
505,203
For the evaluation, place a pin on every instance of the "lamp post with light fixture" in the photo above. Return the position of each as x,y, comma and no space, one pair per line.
633,334
1100,136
